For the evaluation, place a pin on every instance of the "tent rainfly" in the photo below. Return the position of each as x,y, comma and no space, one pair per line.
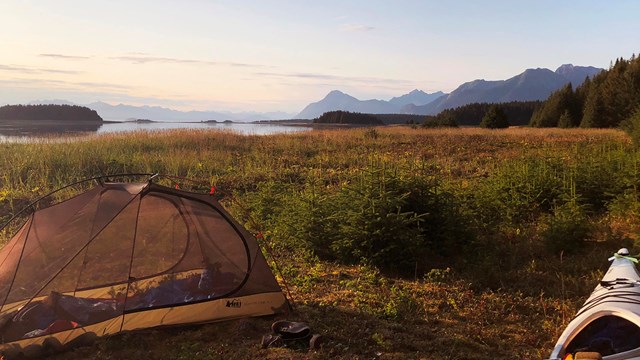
127,256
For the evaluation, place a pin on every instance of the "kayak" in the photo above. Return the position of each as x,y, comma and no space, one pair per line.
608,324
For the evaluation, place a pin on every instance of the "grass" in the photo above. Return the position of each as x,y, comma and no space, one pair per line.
505,288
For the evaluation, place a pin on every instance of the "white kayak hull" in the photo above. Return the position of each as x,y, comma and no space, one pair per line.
609,321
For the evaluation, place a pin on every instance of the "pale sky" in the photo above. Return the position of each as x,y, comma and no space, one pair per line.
279,55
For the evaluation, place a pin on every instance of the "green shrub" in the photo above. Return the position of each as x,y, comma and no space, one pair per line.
374,223
518,192
446,119
567,229
631,126
602,175
384,217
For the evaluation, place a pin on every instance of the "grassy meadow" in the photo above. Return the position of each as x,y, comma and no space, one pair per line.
395,242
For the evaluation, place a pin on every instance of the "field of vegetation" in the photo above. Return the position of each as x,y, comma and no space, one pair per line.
395,242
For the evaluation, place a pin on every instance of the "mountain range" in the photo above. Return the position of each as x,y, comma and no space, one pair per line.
127,112
337,100
532,84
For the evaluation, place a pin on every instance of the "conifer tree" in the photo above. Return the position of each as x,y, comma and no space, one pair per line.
566,120
594,110
495,118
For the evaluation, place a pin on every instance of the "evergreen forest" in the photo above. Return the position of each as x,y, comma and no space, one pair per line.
48,112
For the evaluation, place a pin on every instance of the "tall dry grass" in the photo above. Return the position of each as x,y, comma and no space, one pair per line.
519,195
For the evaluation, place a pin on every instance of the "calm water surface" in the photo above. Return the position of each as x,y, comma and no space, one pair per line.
30,134
243,128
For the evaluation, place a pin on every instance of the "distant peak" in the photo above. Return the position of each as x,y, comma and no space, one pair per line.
570,70
565,66
536,70
337,94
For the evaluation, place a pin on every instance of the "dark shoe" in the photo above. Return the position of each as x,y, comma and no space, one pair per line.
291,330
316,341
272,341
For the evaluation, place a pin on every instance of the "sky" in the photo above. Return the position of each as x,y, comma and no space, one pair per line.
280,55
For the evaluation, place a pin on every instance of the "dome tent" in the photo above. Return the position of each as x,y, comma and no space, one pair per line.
127,256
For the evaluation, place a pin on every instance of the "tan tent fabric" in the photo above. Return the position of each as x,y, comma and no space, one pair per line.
124,257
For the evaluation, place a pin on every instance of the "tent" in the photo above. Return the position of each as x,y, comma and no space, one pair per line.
128,256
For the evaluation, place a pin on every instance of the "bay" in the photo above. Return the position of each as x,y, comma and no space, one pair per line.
33,133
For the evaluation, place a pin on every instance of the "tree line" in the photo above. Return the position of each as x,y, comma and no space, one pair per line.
347,117
604,101
516,112
48,112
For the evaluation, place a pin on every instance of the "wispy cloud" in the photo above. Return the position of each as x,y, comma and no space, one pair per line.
65,57
368,84
141,58
31,70
145,59
61,84
16,69
335,78
357,27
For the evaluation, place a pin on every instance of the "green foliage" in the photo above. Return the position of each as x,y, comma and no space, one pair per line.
438,275
631,126
399,118
567,229
445,120
519,192
48,112
562,104
602,175
594,110
601,102
495,118
518,113
378,217
346,117
566,120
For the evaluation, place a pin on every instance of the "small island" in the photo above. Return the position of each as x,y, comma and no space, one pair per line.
139,121
18,120
49,112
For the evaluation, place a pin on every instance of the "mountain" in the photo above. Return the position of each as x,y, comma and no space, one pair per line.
531,85
577,74
123,112
51,102
157,113
415,97
337,100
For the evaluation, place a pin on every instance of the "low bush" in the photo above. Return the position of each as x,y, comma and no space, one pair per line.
567,229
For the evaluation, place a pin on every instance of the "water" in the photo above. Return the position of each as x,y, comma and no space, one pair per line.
30,133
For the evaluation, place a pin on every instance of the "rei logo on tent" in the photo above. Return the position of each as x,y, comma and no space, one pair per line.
235,303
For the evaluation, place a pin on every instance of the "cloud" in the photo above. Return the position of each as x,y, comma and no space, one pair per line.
16,69
142,58
57,71
357,28
20,90
336,78
358,84
30,70
61,84
65,57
